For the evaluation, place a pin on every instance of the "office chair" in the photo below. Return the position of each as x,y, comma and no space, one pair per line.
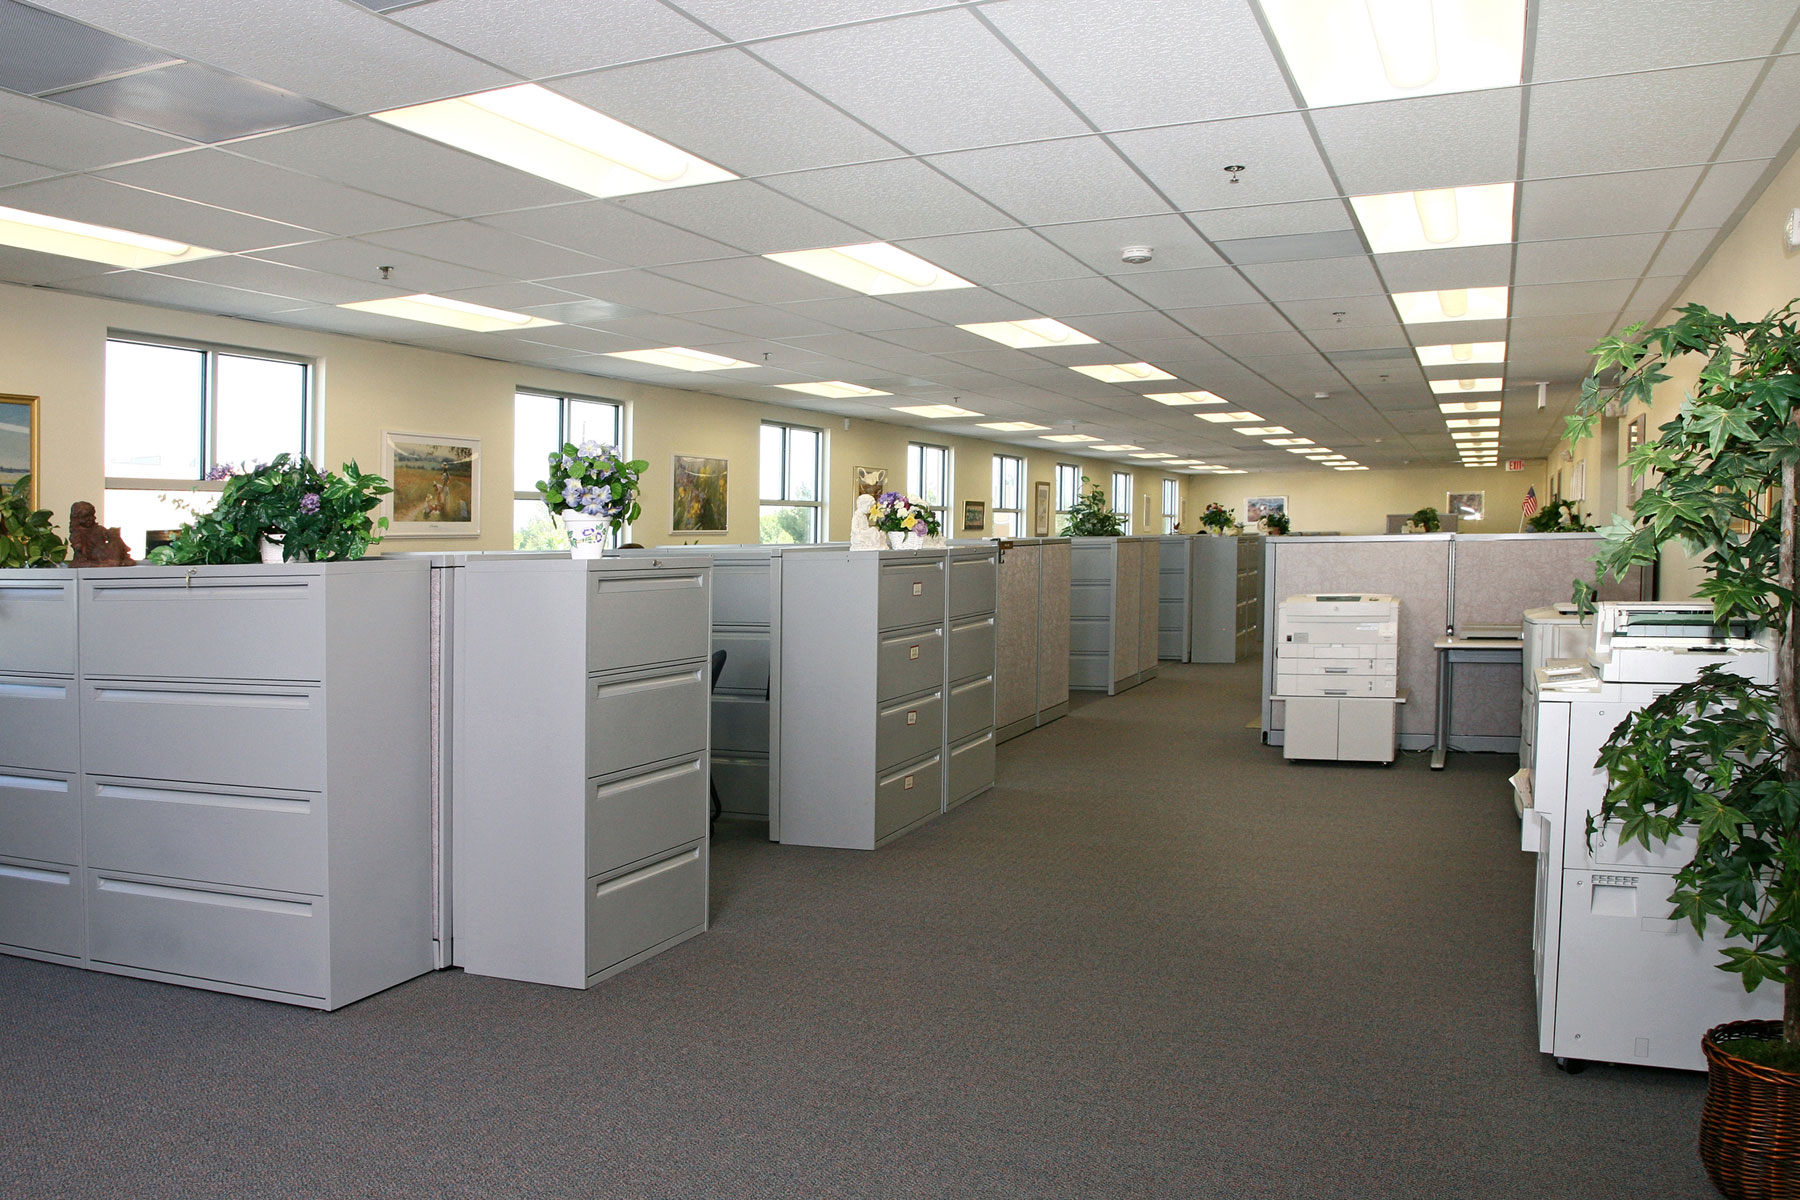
718,668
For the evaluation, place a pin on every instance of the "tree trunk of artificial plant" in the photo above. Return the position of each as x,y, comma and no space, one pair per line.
1785,667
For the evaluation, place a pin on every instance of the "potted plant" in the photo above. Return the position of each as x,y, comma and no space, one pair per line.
286,510
1559,516
1719,758
904,520
1217,519
1276,523
27,538
1089,515
1426,520
593,493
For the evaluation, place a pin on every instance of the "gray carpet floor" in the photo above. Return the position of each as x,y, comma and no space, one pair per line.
1156,961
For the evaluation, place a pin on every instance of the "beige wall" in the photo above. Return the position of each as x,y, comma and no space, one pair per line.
1358,502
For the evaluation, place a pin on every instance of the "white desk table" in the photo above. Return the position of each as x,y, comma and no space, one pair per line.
1453,650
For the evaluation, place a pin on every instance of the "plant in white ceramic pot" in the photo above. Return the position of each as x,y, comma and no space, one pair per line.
903,519
593,492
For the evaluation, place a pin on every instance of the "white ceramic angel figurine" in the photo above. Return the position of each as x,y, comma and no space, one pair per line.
864,536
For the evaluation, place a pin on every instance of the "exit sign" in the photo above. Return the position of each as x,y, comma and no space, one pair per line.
1515,464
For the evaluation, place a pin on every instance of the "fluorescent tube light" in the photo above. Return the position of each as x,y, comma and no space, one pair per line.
1454,304
1462,407
93,243
1152,454
835,389
1472,422
1030,335
1356,51
872,268
1123,372
1455,354
551,136
682,359
1476,435
1068,437
1264,430
1117,448
1011,426
1290,441
1350,468
1185,462
1228,418
1395,222
1450,387
936,412
457,314
1176,399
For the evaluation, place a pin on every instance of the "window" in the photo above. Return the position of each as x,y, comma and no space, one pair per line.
180,416
1009,484
542,424
1121,496
792,508
1068,489
928,479
1171,505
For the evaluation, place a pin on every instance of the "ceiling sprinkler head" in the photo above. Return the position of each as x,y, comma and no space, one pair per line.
1136,254
1234,171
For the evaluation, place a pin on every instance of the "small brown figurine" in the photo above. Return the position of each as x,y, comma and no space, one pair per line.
95,545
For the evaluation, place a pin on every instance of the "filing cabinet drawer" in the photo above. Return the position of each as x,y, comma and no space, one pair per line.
1172,588
645,718
908,795
244,838
40,907
972,648
971,768
973,584
39,723
1090,637
908,663
1334,685
743,784
642,910
222,623
1091,600
909,729
740,723
1171,616
37,621
742,594
669,616
1337,666
971,708
231,935
746,661
40,815
261,736
639,816
911,593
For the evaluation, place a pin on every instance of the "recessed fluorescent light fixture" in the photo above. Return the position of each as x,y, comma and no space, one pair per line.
1264,430
1297,449
1452,408
1185,462
1449,387
681,359
1229,418
1457,353
1451,304
1117,448
1123,372
1153,454
1356,51
1350,468
550,136
93,243
1030,335
872,268
1474,435
1068,437
1290,441
1176,399
1472,423
1395,222
1482,448
1011,426
458,314
936,412
835,389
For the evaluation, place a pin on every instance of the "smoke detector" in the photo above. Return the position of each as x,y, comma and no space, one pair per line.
1137,254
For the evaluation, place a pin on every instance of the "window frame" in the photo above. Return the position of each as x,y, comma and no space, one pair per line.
1074,476
1122,490
915,472
1171,502
621,426
1017,507
818,505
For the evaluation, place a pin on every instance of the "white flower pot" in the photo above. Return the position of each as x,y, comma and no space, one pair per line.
897,539
587,535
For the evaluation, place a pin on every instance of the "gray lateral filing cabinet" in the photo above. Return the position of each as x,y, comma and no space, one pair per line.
1211,598
581,758
1114,611
246,806
867,704
1032,668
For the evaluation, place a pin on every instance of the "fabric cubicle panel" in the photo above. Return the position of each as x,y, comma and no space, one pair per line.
1414,568
1017,659
1053,627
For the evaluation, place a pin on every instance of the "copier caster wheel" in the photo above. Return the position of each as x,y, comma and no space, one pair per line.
1571,1066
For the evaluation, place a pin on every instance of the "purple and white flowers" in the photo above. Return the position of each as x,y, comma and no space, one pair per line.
593,480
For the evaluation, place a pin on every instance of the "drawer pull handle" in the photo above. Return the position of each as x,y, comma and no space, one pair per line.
224,699
114,791
912,716
34,691
197,896
658,583
171,589
667,864
632,686
912,652
7,871
637,781
909,783
1337,670
28,783
32,591
918,588
1336,692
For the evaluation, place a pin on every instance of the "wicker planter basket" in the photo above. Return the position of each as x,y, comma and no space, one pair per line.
1750,1132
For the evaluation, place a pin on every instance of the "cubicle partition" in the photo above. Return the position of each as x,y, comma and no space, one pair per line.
1032,682
1113,602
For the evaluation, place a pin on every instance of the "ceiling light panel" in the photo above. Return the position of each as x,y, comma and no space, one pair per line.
682,359
550,136
1456,408
1069,438
936,412
1227,418
832,389
1034,334
872,268
1458,353
457,314
1295,449
1011,426
1395,222
1452,304
93,243
1117,448
1350,468
1264,430
1290,441
1177,399
1355,51
1472,423
1450,387
1123,372
1473,435
1152,454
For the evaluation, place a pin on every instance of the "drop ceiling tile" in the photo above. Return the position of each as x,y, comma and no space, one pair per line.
71,140
1119,327
1603,205
645,291
1264,345
965,307
935,339
101,202
1372,341
1273,220
741,19
763,321
1126,63
1597,124
1550,358
774,126
1685,250
607,230
747,215
501,347
559,38
485,249
245,185
902,198
583,338
197,102
1229,318
1191,289
1728,190
999,256
279,279
1099,244
40,51
1293,247
30,267
1436,333
1042,183
1572,260
1315,280
854,347
1767,126
166,291
1187,162
16,170
1072,297
1578,38
357,75
331,319
966,89
1458,266
864,314
519,297
753,279
1588,327
1651,300
380,159
657,331
360,260
577,311
1429,142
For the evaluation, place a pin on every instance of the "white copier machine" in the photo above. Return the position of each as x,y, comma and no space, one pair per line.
1336,670
1617,979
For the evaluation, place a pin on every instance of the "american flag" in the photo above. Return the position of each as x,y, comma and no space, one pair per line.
1529,507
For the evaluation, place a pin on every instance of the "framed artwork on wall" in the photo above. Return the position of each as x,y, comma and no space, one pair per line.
437,484
1258,507
19,443
1040,508
974,514
699,500
870,481
1468,506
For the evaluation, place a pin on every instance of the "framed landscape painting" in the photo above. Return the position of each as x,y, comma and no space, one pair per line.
699,494
19,442
1258,507
1468,506
974,514
437,484
1040,508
